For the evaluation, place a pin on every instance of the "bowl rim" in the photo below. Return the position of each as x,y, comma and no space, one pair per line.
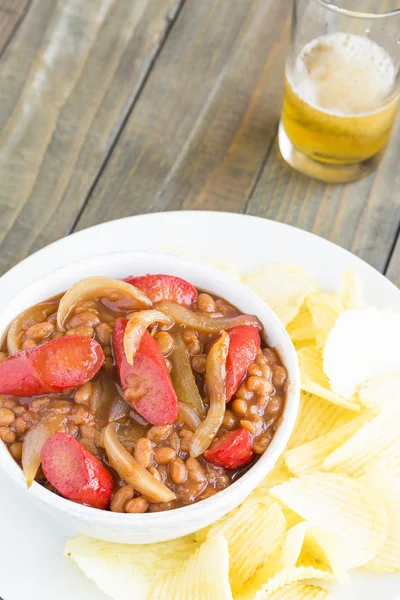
178,516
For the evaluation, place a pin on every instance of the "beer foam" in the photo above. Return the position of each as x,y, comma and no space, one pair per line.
343,74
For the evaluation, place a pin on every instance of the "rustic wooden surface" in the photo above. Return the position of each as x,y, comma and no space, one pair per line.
110,108
11,14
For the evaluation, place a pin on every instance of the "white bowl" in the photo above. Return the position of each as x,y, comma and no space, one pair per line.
161,526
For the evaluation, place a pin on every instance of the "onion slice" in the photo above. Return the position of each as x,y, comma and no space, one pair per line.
183,379
131,471
14,333
129,432
48,424
104,397
137,325
216,386
205,323
119,409
188,416
97,286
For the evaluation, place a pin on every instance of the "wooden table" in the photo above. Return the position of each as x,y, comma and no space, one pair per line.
111,108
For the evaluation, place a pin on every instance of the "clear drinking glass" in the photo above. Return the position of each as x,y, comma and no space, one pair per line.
342,87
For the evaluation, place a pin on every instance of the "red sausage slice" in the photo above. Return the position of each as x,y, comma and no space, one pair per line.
158,404
232,450
244,343
62,363
165,287
75,473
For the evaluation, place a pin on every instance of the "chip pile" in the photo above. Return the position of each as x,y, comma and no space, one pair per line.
330,504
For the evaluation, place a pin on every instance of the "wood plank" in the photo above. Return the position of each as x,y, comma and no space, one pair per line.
363,216
69,78
393,270
202,127
11,14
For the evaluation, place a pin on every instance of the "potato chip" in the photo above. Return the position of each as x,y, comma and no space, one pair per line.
285,556
379,438
316,418
253,532
351,293
343,506
328,549
291,575
324,309
291,517
362,345
301,328
279,474
382,392
237,517
203,576
283,286
120,570
306,559
314,380
285,577
283,565
293,544
311,455
390,464
387,559
300,591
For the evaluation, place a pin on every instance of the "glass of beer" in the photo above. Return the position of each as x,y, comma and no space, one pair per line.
342,87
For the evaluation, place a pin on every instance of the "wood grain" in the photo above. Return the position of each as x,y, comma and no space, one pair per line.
199,134
362,217
11,14
68,80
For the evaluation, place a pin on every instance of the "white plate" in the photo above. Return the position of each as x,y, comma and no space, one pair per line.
31,561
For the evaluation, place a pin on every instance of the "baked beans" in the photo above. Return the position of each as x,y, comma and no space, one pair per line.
163,450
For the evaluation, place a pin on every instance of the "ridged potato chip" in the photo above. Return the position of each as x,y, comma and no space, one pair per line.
253,532
351,293
362,345
300,591
116,568
285,556
316,418
291,517
311,455
324,309
262,493
301,328
343,506
387,559
382,392
279,474
314,380
291,575
283,286
377,439
292,545
203,576
391,464
283,567
306,559
328,549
